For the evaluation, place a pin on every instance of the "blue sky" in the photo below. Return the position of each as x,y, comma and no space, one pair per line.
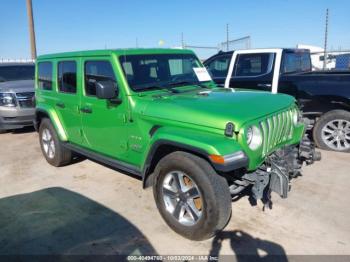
66,25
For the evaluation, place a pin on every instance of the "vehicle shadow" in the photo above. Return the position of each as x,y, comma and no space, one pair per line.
56,221
24,130
247,248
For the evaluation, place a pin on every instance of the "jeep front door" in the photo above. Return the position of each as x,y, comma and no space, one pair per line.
103,121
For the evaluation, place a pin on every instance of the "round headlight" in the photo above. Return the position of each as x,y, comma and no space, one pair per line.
254,137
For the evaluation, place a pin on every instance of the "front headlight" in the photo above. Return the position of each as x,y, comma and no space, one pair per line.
254,137
7,99
295,116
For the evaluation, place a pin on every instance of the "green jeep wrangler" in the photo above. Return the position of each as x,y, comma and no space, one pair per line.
156,114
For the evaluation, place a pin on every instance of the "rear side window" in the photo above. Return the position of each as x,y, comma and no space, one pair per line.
67,77
97,71
253,64
219,66
296,62
45,75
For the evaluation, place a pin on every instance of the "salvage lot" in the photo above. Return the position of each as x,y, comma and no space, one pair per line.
86,208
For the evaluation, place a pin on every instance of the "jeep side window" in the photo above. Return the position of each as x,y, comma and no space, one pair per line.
97,71
250,65
219,66
67,77
45,75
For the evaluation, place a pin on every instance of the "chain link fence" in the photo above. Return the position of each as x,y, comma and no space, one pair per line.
20,60
236,44
331,60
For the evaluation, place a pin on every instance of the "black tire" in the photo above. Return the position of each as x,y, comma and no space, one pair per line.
62,156
322,122
214,190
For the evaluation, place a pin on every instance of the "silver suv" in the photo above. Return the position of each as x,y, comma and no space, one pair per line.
17,107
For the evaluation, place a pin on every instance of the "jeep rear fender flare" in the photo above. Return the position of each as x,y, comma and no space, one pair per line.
52,115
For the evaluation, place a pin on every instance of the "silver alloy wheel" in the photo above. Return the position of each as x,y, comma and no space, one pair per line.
336,134
182,198
48,143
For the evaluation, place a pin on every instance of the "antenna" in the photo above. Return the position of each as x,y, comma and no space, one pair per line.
227,37
325,42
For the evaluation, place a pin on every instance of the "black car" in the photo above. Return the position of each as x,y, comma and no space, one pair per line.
323,96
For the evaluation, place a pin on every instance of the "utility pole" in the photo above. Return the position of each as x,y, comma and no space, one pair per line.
227,37
182,41
325,42
31,28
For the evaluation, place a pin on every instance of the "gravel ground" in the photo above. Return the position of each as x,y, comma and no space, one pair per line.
86,208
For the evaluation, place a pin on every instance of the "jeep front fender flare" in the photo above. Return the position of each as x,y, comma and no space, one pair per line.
200,143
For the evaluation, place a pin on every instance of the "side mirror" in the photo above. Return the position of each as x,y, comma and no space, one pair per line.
106,90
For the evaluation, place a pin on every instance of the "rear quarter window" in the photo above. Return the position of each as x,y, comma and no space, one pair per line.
45,75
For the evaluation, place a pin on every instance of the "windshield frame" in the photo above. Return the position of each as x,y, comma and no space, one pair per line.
168,84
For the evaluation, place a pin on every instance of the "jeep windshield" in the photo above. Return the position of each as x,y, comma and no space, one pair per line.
16,72
160,71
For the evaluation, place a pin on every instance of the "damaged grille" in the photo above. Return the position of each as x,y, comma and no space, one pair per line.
276,130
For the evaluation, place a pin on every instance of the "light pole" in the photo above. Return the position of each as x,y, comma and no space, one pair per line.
31,29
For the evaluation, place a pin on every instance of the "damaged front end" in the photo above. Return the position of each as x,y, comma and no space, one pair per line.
277,171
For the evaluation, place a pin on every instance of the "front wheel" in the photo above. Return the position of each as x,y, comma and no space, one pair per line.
191,197
332,131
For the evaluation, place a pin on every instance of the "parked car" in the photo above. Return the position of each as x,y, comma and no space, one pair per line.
156,114
323,96
16,95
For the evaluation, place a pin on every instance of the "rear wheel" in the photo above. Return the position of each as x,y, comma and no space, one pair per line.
332,131
191,197
53,150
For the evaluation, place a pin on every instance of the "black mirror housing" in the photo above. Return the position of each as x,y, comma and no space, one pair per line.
106,90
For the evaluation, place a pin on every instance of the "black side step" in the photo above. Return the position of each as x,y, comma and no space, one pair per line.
105,160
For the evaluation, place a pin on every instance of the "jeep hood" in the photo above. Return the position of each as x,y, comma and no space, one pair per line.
17,86
216,108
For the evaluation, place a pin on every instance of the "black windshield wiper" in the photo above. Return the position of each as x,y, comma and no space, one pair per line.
182,83
169,89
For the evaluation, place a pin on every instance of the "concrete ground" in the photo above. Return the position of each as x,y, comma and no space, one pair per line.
86,208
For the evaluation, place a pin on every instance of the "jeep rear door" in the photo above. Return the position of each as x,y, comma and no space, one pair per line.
103,122
68,97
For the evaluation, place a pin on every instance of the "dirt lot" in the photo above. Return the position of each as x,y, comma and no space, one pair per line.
86,208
